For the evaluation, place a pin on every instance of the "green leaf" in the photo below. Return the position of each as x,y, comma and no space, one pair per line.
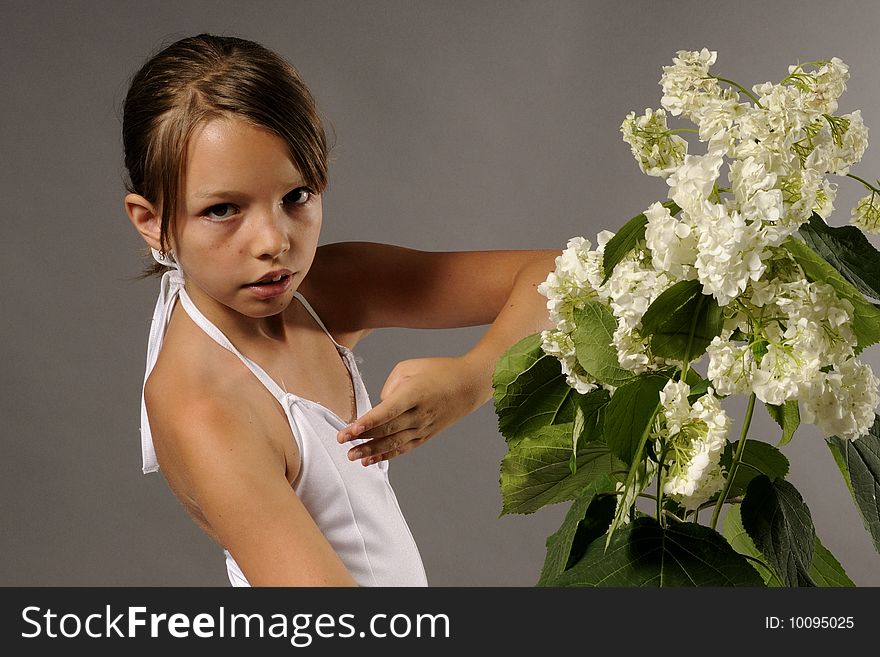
577,430
826,570
592,405
758,458
848,251
593,336
645,554
859,462
787,416
740,541
535,472
627,238
866,316
530,391
629,415
587,519
682,321
778,521
637,480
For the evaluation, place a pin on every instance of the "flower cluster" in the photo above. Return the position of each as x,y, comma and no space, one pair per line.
732,213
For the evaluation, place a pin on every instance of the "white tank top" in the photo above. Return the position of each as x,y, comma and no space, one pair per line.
354,506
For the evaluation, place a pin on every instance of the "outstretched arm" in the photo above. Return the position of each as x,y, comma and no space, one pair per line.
423,396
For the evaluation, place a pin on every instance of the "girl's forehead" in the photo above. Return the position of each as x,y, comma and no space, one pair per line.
224,150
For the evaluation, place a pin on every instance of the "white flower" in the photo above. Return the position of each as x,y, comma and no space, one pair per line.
785,106
731,367
567,289
630,290
561,345
730,252
686,84
748,177
691,184
717,119
822,87
695,437
672,243
842,402
657,151
818,321
866,213
851,145
801,194
782,373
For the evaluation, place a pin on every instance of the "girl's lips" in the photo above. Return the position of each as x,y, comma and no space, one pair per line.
271,289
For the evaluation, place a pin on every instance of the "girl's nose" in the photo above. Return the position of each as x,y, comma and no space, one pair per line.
270,235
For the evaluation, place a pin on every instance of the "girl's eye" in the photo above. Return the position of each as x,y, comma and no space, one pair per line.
298,196
219,212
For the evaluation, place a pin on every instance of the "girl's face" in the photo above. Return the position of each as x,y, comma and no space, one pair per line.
249,225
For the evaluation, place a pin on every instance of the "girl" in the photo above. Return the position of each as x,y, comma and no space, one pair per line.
251,388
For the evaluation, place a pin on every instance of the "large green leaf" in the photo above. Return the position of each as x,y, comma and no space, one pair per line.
848,251
535,472
629,414
788,417
740,541
824,571
530,391
859,462
682,321
587,519
757,458
778,521
593,336
592,405
627,238
645,554
866,316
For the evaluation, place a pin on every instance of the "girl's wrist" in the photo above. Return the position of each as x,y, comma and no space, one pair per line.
477,371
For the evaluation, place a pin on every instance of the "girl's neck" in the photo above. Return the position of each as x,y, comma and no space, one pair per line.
241,329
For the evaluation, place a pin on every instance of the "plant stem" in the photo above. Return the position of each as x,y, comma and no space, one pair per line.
736,460
741,88
660,517
864,182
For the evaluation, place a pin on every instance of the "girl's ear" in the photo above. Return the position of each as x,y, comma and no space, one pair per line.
143,215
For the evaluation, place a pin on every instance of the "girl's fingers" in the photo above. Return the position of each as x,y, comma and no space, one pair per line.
373,424
376,416
384,445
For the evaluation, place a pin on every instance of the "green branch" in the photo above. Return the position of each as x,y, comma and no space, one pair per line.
736,459
741,88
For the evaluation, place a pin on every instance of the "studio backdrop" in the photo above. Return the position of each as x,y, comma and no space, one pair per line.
455,125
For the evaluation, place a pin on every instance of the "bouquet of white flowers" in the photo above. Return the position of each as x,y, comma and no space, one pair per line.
728,287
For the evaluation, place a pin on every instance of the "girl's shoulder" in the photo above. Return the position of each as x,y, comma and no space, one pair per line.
331,289
200,393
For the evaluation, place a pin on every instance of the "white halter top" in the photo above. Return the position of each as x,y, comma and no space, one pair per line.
354,506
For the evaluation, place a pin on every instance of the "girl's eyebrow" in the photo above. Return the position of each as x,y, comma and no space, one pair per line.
211,193
228,193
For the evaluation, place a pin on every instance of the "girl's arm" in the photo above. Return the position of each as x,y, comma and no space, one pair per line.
216,462
394,286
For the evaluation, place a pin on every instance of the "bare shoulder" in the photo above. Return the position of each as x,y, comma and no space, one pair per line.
332,288
202,401
225,463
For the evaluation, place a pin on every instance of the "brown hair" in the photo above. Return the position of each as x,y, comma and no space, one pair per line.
204,77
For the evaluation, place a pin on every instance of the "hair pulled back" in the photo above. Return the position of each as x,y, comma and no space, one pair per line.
204,77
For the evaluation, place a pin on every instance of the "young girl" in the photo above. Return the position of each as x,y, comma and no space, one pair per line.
251,389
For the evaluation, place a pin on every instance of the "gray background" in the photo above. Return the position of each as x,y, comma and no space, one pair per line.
458,125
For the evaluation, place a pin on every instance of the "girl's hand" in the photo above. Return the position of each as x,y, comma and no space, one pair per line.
420,398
